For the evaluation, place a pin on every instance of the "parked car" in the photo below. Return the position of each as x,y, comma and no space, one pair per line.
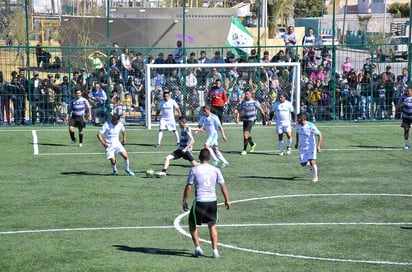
396,47
325,40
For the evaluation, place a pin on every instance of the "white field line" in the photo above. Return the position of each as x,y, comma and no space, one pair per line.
35,143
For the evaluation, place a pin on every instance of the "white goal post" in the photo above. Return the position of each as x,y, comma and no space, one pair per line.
258,75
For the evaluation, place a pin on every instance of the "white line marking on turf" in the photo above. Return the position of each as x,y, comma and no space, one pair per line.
35,142
179,228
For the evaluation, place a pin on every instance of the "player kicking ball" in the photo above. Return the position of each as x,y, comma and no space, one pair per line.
306,133
109,137
184,149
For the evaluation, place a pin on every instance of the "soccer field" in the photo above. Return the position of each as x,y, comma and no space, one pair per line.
63,210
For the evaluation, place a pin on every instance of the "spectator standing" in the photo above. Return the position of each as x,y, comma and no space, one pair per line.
168,107
218,99
204,178
248,108
184,150
99,98
306,133
285,118
405,105
291,39
346,66
109,137
77,110
179,53
309,40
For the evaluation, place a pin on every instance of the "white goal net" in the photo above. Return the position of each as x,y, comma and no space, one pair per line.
189,84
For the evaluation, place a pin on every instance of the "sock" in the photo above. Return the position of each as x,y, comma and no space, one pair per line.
315,170
198,248
220,156
406,141
159,137
72,136
215,251
114,166
281,146
212,154
126,164
80,138
290,142
177,136
245,141
250,141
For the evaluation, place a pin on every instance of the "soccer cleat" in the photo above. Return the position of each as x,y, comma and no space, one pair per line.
198,252
315,179
216,255
80,145
130,172
178,144
215,163
72,143
157,145
406,147
243,153
281,153
115,173
252,149
224,165
160,174
288,150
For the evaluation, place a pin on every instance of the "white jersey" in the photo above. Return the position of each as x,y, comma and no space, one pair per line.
307,139
283,112
168,109
111,132
204,177
211,123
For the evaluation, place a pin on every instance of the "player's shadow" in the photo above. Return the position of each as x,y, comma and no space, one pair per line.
50,144
155,251
271,178
85,173
408,228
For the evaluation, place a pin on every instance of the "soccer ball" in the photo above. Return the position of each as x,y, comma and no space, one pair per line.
150,173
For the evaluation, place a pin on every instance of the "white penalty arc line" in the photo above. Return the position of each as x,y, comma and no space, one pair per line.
180,229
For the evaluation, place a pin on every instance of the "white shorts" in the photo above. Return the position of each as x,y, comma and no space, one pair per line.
114,149
305,156
283,128
167,124
212,139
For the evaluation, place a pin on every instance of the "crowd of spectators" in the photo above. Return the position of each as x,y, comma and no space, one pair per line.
361,92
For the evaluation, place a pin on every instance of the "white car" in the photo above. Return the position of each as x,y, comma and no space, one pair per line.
325,40
396,47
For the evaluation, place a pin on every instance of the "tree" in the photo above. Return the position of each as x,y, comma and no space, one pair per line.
278,10
16,25
399,10
363,25
309,8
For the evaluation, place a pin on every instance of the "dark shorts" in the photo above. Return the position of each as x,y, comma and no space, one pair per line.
247,125
77,121
177,154
203,212
406,122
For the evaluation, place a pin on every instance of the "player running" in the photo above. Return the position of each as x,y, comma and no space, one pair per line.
305,138
77,109
184,150
109,137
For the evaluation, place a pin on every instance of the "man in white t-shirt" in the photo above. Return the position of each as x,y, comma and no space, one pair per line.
306,133
168,107
285,115
109,137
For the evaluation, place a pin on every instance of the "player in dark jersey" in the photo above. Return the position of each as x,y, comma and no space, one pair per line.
77,110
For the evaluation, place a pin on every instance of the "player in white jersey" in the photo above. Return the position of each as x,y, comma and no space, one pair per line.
204,178
168,107
109,137
210,123
77,111
306,132
184,149
285,119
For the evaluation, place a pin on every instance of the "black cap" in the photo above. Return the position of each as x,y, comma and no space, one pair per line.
49,76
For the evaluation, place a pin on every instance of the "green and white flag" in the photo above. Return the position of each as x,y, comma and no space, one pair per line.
239,37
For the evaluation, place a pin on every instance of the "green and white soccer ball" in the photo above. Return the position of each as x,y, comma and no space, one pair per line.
150,173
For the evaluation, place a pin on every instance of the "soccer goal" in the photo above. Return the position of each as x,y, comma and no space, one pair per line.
189,84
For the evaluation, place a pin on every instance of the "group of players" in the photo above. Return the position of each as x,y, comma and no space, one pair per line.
204,176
